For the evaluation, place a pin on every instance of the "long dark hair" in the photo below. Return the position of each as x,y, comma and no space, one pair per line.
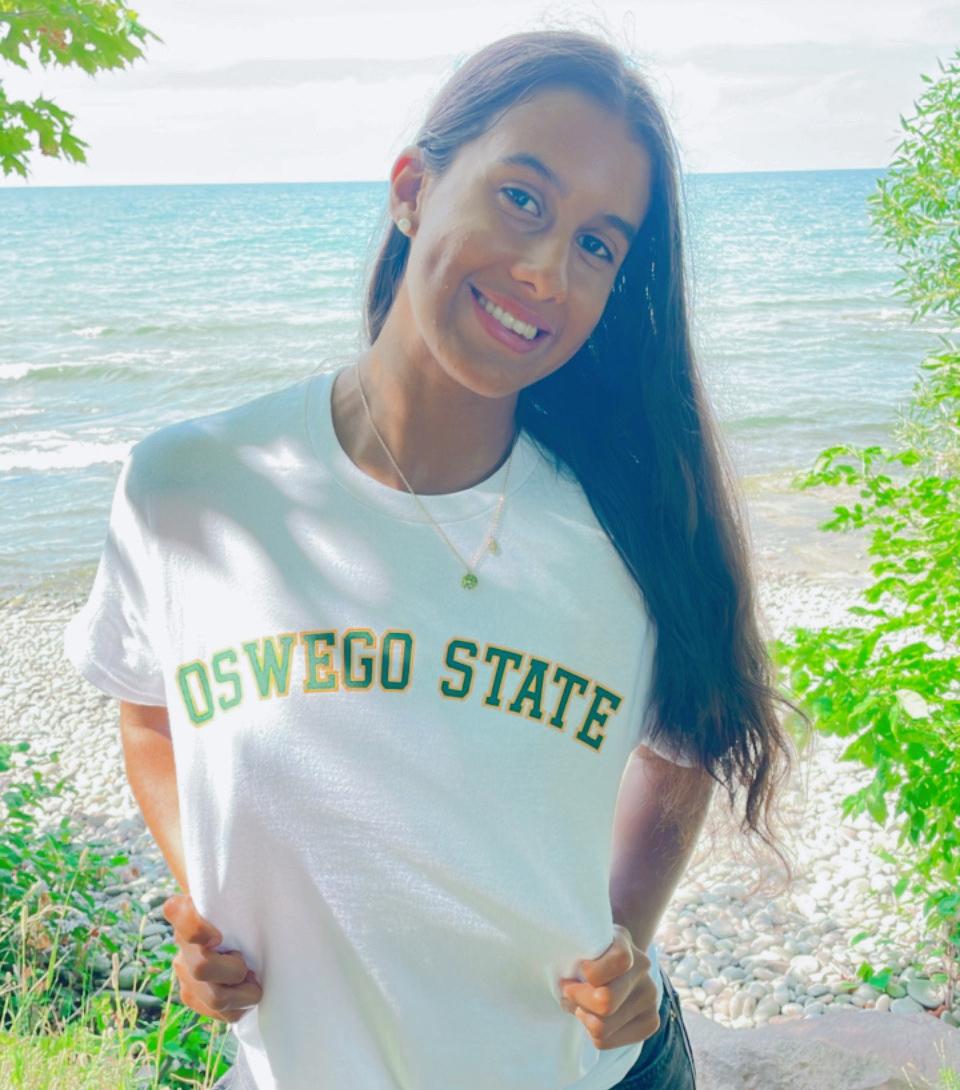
628,416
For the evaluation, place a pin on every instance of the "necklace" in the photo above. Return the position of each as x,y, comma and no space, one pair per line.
490,543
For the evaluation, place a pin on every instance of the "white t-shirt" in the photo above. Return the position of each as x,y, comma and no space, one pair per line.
396,794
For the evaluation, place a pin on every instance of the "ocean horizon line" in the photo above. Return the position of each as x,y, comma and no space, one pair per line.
22,184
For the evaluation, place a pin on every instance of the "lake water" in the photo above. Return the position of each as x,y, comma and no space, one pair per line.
125,308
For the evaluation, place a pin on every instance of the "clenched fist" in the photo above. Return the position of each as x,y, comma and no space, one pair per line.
618,1002
214,983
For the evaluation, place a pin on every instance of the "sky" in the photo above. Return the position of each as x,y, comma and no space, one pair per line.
301,91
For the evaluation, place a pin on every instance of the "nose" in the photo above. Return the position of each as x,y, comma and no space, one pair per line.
543,265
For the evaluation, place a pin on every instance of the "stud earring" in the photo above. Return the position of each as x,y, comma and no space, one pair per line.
404,224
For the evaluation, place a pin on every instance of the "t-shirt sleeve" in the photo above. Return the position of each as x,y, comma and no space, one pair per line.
112,639
661,747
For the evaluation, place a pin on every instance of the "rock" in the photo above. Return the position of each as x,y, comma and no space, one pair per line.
766,1008
925,992
804,964
762,973
771,954
128,976
733,972
145,1000
805,903
906,1006
866,1050
685,967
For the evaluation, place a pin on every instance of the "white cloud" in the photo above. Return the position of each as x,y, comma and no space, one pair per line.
301,92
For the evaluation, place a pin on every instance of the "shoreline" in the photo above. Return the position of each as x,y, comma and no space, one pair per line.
780,525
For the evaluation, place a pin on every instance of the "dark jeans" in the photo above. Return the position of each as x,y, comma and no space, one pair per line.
665,1063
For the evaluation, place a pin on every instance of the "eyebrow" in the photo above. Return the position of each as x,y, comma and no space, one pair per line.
527,159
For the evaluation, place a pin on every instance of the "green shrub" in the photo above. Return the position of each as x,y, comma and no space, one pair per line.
892,682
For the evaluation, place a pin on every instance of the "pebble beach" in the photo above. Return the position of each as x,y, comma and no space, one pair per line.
738,957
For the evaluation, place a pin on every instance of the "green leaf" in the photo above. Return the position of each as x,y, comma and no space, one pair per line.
880,980
863,749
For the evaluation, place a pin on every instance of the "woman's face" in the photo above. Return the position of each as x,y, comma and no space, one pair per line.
550,255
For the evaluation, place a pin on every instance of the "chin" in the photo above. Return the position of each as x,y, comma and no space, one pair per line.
493,381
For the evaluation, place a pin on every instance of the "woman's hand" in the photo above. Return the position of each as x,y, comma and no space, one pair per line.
618,1002
214,983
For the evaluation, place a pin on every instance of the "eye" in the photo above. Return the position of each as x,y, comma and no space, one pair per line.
609,256
514,189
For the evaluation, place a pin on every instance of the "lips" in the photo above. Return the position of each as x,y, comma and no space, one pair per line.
512,307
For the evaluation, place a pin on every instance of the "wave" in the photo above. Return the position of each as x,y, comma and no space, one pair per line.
320,319
119,364
74,455
14,371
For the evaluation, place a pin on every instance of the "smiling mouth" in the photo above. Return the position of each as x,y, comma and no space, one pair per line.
482,300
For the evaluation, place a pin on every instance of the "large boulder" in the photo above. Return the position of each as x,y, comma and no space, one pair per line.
848,1050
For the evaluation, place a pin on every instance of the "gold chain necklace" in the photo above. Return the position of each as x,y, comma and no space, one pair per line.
490,544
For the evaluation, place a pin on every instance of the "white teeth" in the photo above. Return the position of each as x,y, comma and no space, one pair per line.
524,329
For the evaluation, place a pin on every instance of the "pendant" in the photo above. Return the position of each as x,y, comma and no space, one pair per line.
494,547
469,581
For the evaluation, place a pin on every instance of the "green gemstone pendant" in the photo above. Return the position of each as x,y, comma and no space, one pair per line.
469,581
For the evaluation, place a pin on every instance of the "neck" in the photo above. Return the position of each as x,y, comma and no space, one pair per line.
444,437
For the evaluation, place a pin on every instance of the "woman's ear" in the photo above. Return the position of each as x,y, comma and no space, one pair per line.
408,178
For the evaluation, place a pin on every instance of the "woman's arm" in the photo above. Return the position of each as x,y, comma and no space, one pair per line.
148,755
652,844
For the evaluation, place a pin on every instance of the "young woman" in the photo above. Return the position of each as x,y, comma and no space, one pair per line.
451,642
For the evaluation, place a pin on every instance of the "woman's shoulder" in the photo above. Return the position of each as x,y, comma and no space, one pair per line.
265,429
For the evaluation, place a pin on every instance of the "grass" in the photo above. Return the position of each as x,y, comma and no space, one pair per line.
73,1060
103,1045
70,964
